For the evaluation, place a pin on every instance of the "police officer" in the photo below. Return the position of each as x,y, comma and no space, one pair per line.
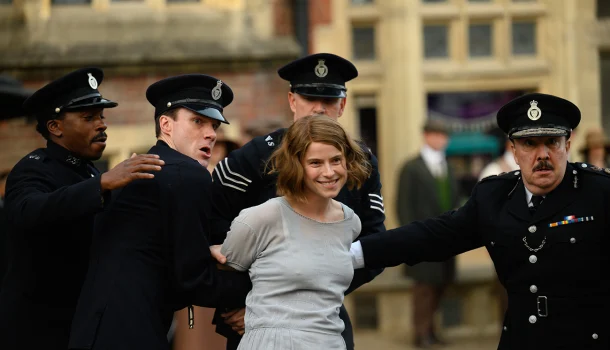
150,253
545,227
317,86
52,196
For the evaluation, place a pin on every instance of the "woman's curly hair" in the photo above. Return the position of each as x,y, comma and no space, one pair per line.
286,160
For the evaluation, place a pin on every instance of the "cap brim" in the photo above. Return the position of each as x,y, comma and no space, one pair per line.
536,132
206,111
325,92
100,103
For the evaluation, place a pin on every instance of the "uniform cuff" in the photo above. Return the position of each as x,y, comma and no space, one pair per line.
357,256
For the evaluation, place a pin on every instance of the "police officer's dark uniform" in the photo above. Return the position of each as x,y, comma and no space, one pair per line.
551,258
51,199
150,254
240,180
12,96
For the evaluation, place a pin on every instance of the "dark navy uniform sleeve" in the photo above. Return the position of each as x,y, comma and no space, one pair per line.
432,240
194,267
237,185
33,195
372,216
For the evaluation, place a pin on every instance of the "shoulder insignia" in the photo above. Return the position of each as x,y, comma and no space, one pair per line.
592,169
36,155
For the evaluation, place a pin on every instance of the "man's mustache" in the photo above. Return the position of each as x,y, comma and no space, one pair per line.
101,136
543,165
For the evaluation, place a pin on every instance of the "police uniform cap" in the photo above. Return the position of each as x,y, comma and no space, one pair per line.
12,96
200,93
73,91
538,114
319,75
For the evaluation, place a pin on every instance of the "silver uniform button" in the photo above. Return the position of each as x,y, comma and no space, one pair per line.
517,172
533,288
572,240
533,259
595,336
533,319
532,229
505,328
583,165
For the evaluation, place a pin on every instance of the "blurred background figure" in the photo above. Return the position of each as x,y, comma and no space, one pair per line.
596,148
224,145
12,95
427,188
504,163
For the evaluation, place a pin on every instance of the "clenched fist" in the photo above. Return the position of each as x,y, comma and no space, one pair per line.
136,167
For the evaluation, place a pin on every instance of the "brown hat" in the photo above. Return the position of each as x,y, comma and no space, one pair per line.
433,125
593,139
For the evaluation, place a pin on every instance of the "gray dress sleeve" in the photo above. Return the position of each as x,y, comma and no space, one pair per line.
241,247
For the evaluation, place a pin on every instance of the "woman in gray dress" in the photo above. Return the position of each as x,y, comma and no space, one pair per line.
296,247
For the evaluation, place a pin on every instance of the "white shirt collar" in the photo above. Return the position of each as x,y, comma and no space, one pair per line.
432,156
528,197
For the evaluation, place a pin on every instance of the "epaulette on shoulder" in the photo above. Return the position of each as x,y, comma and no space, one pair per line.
36,155
592,169
510,175
272,139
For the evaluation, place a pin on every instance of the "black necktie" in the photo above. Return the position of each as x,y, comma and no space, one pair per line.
536,200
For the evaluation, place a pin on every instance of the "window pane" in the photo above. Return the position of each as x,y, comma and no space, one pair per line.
524,38
429,1
436,41
524,0
363,42
70,2
362,2
479,40
178,1
603,8
479,0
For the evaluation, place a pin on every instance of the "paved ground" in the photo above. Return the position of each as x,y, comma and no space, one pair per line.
373,341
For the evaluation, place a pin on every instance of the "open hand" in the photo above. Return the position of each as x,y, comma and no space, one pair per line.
136,167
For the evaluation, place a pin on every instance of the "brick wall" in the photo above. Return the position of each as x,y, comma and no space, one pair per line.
259,95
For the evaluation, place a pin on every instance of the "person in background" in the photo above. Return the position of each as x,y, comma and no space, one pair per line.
596,148
428,188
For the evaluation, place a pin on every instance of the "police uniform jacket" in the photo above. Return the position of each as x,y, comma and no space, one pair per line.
150,257
51,199
553,262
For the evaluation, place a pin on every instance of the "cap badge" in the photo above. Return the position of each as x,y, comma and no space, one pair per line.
92,81
216,91
321,69
534,113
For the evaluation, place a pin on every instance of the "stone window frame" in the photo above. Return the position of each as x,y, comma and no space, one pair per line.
459,14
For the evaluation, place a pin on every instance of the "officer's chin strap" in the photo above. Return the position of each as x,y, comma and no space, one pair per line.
191,316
